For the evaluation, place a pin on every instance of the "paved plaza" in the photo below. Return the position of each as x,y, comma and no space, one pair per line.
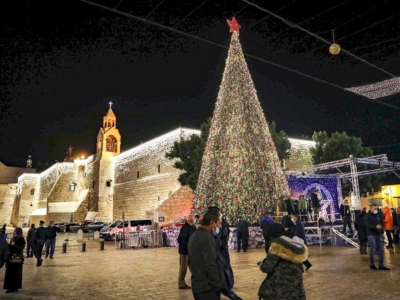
338,272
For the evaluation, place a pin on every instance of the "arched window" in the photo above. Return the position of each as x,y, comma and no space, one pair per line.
32,192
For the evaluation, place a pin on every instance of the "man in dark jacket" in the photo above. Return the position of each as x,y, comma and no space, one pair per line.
346,216
51,239
223,259
206,279
187,230
359,224
297,229
4,251
30,239
315,202
242,234
39,241
265,222
289,205
374,225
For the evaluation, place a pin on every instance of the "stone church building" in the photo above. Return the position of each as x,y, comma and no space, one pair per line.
140,182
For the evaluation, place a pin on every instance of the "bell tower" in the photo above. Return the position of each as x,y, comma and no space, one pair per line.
108,138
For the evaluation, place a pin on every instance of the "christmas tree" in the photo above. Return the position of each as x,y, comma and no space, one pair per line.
240,170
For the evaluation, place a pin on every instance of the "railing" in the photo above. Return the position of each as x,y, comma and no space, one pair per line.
141,239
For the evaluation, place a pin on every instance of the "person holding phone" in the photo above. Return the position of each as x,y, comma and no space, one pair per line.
283,266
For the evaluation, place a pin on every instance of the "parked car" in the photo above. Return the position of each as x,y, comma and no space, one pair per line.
60,225
131,226
85,224
105,231
94,226
73,226
177,223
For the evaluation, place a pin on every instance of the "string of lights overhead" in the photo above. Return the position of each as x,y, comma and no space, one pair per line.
353,90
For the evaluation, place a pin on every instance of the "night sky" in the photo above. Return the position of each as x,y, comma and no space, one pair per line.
63,61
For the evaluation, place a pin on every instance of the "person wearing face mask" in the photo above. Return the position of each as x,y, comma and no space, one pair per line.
374,225
187,230
206,278
221,236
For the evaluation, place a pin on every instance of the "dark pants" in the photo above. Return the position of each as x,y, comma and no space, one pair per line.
242,238
347,222
209,295
316,214
29,250
304,215
389,236
37,251
267,243
50,245
375,245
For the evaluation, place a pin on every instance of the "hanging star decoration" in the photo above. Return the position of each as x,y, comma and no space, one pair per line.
233,25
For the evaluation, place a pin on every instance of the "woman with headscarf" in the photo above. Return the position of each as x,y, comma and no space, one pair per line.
283,266
13,276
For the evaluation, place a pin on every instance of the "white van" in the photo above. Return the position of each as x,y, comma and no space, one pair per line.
133,225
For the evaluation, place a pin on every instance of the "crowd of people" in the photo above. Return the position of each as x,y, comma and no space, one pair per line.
12,256
203,248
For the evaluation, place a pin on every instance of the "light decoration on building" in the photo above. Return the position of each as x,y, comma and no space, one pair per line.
240,171
305,185
379,89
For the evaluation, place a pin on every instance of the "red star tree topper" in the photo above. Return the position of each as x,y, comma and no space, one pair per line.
240,170
233,25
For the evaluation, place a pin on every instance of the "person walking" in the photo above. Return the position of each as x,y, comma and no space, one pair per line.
30,239
359,224
206,278
374,226
39,242
187,230
51,239
298,230
264,224
315,202
283,267
242,234
346,217
388,225
13,276
223,259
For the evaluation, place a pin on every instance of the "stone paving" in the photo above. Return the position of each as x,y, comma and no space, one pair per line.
338,273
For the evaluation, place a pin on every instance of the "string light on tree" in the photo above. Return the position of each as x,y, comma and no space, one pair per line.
240,170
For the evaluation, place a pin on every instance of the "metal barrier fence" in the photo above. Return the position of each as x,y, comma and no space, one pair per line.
145,239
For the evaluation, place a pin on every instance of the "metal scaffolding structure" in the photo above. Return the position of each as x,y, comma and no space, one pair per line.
384,165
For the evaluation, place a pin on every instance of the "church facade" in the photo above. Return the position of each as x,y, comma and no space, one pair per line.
139,183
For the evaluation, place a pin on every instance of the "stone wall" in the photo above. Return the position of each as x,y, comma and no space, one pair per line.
144,177
177,204
11,174
7,197
27,197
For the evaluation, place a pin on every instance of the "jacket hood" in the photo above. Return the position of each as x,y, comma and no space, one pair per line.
293,250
